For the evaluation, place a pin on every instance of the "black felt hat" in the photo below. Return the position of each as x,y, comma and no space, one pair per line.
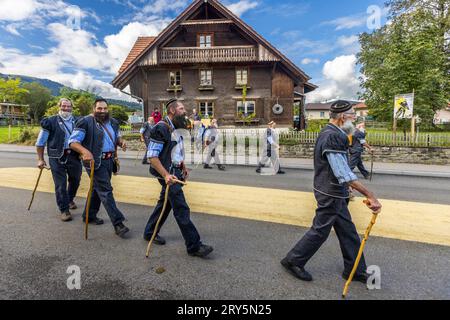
340,106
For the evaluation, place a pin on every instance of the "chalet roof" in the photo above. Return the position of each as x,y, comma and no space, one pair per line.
318,106
128,69
141,44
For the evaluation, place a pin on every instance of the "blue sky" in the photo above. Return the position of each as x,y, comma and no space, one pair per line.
82,43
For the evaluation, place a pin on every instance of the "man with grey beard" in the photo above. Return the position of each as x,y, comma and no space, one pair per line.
332,178
64,163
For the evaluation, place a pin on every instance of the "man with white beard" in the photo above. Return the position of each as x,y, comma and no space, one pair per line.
332,178
65,164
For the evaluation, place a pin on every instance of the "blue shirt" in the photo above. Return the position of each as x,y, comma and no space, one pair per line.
341,170
108,144
44,134
155,148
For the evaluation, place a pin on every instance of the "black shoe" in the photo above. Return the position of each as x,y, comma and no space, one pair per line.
202,252
258,170
121,229
66,216
72,206
158,240
296,271
207,166
221,168
96,221
281,172
360,277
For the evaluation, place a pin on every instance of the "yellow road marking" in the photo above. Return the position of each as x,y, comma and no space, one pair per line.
413,221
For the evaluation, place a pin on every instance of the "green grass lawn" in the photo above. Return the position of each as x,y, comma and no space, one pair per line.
4,134
15,133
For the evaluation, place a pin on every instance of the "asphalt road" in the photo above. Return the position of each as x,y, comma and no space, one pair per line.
395,187
36,250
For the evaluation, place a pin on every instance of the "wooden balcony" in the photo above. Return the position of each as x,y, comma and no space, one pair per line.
207,55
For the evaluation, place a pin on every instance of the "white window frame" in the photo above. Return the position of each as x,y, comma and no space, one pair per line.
208,108
204,79
173,76
245,107
240,76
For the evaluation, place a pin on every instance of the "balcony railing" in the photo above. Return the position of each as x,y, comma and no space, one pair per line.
207,55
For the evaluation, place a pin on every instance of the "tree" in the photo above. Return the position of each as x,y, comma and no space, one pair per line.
119,113
11,91
403,56
37,98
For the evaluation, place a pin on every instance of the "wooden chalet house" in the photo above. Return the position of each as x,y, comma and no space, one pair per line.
207,57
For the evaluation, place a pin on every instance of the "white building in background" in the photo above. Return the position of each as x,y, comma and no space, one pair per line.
320,111
442,116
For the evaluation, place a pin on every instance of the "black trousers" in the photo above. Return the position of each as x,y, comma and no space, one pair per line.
356,161
331,213
66,173
181,211
103,194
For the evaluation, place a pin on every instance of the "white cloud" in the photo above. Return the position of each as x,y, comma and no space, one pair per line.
13,10
160,6
119,45
344,41
340,80
307,61
239,8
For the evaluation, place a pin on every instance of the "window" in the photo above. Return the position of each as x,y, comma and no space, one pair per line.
322,114
205,40
175,78
246,108
206,109
242,77
206,77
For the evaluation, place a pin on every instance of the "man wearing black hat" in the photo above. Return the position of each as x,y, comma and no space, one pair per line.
332,177
166,155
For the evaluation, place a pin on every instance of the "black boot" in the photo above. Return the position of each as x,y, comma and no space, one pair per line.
202,252
360,277
96,221
207,166
158,240
298,272
121,230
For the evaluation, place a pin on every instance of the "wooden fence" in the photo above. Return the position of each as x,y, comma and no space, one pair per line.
387,139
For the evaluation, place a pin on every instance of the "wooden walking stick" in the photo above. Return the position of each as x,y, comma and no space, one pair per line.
155,231
89,196
36,186
360,252
371,167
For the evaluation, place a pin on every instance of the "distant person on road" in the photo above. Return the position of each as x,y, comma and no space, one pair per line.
211,142
332,176
195,116
145,135
270,149
357,148
156,115
65,164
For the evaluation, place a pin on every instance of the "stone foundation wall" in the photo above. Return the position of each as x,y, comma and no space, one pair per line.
437,156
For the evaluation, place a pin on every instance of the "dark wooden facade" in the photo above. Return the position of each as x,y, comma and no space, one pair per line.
203,58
